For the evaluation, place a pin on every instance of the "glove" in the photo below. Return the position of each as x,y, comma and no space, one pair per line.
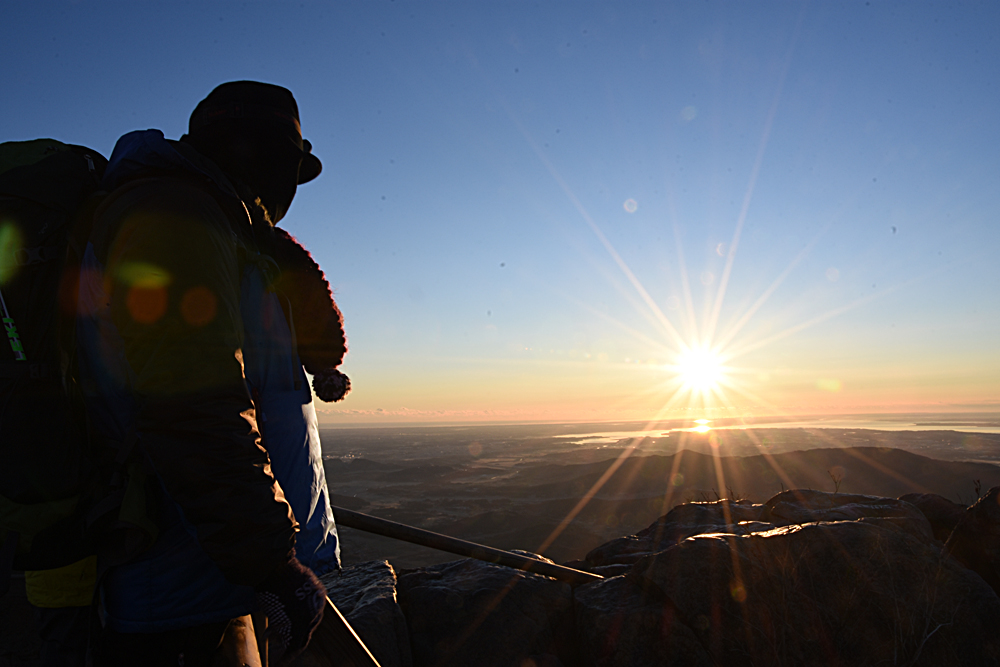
293,599
331,385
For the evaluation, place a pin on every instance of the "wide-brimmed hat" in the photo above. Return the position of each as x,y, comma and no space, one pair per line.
260,101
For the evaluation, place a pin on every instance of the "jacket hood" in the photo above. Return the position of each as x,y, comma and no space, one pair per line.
147,152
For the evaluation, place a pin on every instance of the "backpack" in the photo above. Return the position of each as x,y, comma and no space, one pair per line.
49,474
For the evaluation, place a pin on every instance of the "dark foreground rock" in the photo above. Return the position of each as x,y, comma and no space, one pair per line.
847,593
808,578
620,624
975,542
366,595
469,612
941,513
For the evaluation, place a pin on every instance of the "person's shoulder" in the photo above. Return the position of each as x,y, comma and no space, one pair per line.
174,213
153,177
171,195
172,201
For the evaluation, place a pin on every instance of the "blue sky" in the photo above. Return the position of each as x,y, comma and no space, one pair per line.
520,201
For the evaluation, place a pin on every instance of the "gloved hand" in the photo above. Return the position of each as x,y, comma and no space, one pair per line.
293,599
331,385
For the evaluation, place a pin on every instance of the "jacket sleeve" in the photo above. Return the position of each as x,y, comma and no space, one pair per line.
174,280
319,323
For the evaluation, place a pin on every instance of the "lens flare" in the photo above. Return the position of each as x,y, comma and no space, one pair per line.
10,242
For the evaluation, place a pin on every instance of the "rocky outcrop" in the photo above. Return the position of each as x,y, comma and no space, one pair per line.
808,578
801,506
975,542
850,593
621,624
366,595
680,523
473,613
941,513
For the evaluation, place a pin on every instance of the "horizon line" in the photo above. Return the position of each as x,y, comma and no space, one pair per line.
992,412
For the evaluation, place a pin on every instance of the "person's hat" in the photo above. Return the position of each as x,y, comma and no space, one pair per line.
262,101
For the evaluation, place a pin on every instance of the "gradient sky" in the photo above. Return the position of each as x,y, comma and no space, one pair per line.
527,210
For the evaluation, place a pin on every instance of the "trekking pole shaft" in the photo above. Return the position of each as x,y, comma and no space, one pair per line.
426,538
337,640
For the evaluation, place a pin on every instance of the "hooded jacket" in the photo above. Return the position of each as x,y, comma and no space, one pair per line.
168,361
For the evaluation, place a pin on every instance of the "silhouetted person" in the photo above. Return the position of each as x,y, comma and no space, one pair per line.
188,354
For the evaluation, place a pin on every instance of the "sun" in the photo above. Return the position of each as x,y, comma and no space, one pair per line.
699,369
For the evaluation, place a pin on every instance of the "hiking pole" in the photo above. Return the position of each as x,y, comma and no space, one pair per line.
335,643
426,538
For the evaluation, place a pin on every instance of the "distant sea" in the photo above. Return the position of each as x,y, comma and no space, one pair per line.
611,432
965,423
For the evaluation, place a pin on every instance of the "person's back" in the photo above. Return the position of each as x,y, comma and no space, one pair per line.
161,346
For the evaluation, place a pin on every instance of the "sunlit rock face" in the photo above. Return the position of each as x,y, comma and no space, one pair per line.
800,506
681,522
469,612
975,542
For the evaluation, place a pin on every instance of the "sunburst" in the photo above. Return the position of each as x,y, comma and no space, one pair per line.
700,369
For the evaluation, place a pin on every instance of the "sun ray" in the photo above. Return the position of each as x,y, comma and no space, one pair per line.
818,433
674,398
762,299
785,333
674,468
629,293
771,461
650,303
662,319
585,500
658,347
720,480
692,321
751,185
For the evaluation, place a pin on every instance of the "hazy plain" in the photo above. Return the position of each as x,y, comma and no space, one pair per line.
562,489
